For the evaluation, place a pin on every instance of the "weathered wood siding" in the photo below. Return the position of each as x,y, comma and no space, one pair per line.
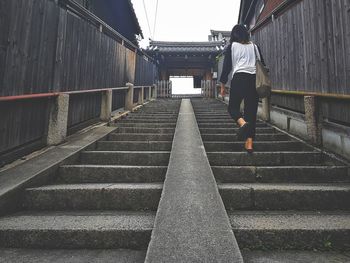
144,73
45,48
307,49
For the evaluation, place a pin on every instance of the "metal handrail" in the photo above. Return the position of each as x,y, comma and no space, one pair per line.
55,94
307,93
316,94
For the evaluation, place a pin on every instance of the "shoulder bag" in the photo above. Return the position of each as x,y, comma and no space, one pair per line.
263,82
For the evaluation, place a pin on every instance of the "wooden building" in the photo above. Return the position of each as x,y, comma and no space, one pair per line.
196,59
119,14
305,44
219,35
50,46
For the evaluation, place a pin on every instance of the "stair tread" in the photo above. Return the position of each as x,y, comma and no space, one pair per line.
72,255
73,220
127,152
288,186
295,256
289,220
98,186
284,167
110,166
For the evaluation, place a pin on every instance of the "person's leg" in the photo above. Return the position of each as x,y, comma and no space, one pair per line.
235,98
251,101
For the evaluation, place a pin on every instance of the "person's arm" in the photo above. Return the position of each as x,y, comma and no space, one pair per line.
226,69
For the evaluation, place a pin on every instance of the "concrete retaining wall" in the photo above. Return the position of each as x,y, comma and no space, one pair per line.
335,137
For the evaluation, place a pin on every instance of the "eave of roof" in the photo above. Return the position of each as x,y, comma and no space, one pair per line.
135,18
213,47
216,32
186,44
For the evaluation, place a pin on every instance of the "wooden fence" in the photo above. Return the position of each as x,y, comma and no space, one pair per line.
51,46
164,89
208,88
306,48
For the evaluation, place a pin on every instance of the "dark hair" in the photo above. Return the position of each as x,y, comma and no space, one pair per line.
239,34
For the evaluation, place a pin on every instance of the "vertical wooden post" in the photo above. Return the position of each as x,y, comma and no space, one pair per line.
155,90
106,105
141,95
313,118
150,92
129,97
266,107
58,120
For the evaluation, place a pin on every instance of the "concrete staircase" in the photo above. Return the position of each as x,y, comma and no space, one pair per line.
107,200
285,196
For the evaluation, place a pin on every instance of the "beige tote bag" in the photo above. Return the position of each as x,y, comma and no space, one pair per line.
263,82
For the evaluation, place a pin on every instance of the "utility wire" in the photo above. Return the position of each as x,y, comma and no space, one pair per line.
155,21
149,27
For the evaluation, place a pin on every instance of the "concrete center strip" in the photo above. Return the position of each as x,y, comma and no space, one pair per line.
191,223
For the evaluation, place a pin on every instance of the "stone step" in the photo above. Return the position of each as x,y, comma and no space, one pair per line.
233,137
134,146
214,118
159,111
270,159
125,158
234,130
79,229
294,256
213,115
269,230
135,197
227,125
74,174
144,125
258,146
247,196
144,130
225,120
162,115
151,118
148,121
140,137
281,174
72,255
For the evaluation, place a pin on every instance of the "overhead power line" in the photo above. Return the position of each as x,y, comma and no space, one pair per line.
155,21
149,27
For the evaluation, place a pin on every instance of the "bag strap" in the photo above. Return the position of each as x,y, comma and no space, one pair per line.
256,51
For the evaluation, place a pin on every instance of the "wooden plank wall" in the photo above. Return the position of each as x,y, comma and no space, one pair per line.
307,49
144,73
45,48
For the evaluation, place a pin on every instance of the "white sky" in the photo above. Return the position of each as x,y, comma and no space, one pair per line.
185,20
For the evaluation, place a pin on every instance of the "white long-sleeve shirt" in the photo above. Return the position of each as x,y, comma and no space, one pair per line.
243,58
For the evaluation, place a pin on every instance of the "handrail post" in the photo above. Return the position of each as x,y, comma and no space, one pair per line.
266,108
129,97
141,95
58,120
150,92
313,118
106,105
155,87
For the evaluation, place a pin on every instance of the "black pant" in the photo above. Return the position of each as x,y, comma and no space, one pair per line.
243,88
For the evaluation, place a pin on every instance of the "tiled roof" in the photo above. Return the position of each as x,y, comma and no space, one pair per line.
217,32
186,47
